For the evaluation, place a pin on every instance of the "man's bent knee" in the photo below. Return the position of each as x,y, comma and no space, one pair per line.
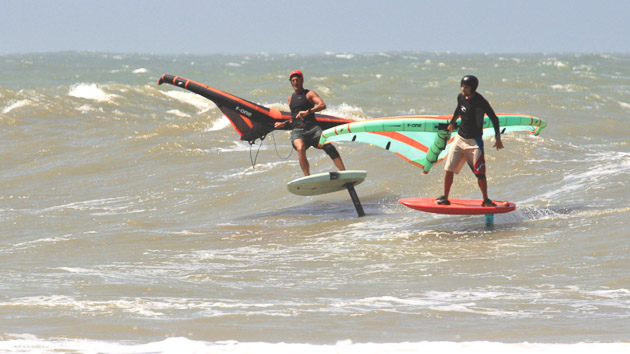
298,145
331,151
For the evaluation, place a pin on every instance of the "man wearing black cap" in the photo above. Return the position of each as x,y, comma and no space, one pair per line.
305,131
468,144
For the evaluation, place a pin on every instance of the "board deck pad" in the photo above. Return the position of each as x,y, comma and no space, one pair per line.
326,182
458,206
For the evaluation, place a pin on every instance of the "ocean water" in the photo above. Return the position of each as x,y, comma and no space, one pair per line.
133,219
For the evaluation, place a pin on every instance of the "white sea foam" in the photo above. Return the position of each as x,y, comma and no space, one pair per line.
219,124
90,92
345,56
237,146
609,164
31,343
554,62
199,102
148,307
323,90
105,206
178,113
15,105
38,241
613,293
391,301
624,105
74,270
85,108
346,111
142,307
140,71
260,168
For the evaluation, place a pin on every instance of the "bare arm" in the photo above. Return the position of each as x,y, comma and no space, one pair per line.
277,125
497,129
317,101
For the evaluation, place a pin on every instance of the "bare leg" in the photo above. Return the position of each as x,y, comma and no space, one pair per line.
301,149
483,185
448,182
339,163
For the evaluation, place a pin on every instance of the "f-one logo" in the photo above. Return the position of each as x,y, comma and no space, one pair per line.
243,111
414,125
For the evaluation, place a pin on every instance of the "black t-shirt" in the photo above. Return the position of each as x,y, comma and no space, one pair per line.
472,112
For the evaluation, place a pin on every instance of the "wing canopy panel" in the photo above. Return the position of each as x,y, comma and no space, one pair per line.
421,140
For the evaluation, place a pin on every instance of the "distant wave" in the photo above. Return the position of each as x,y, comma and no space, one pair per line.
199,102
90,92
15,105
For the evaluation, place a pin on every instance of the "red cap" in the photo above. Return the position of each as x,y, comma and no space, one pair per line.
296,72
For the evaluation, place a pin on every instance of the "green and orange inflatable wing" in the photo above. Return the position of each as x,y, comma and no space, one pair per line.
421,140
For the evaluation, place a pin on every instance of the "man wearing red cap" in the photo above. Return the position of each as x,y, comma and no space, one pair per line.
305,131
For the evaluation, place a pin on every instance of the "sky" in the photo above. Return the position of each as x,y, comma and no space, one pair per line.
311,27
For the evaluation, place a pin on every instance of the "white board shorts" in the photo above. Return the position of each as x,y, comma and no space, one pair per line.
466,150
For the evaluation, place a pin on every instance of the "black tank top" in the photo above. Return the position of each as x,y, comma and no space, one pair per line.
300,103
